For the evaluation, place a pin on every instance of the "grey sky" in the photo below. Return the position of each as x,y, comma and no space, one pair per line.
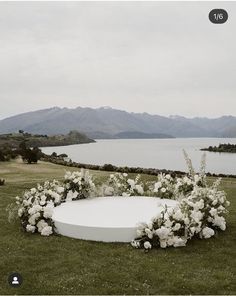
159,57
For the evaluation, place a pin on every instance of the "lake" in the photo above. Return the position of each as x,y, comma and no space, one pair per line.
151,153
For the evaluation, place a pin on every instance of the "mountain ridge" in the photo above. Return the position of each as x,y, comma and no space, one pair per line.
106,122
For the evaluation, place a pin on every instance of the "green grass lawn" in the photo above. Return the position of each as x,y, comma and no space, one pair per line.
61,265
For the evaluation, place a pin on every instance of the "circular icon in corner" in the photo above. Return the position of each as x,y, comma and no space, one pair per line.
15,279
218,16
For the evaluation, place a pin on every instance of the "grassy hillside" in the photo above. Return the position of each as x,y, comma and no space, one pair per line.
61,265
14,139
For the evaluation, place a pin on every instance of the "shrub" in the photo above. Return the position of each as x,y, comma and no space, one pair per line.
2,182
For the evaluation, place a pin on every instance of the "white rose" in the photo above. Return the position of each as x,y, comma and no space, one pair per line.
157,186
213,212
131,183
168,223
163,244
178,215
192,230
227,203
33,190
176,227
200,204
222,199
60,189
163,190
147,245
139,188
71,195
186,221
196,178
20,212
215,201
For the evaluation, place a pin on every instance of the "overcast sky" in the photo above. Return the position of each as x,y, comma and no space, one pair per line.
163,58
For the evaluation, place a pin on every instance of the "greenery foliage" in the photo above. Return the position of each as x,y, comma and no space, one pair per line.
61,265
229,148
13,140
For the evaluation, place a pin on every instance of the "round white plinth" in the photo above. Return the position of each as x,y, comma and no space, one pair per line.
107,219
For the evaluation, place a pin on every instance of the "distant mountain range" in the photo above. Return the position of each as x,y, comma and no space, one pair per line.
110,123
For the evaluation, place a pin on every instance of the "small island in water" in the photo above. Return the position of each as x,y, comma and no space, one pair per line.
229,148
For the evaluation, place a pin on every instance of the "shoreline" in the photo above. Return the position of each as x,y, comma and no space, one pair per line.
120,169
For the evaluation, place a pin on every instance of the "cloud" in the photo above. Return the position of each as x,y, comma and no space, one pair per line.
158,57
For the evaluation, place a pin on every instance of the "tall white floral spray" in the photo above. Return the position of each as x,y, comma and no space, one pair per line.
201,212
122,185
79,185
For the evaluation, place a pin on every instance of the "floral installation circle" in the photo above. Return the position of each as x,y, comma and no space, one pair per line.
200,211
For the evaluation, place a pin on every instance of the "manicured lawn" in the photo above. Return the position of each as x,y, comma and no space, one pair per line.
60,265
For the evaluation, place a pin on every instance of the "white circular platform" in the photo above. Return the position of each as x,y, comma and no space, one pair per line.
107,219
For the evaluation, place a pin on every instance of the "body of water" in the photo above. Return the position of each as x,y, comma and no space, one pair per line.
151,153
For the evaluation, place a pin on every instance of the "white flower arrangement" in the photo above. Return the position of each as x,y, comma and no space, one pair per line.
200,212
121,185
35,207
78,185
163,187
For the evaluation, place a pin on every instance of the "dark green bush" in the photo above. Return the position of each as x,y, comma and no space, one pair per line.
2,182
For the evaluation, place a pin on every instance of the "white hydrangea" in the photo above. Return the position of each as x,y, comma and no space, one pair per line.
46,231
207,232
71,195
200,209
30,228
163,232
41,224
220,222
48,211
179,242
